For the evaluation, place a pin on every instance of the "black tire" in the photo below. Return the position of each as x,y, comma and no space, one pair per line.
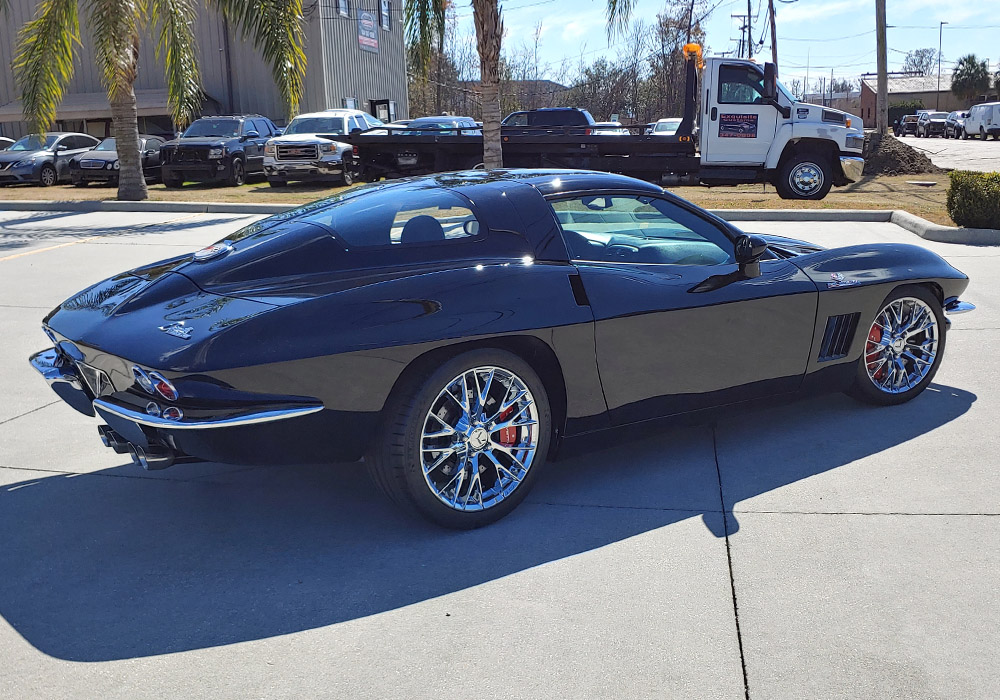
395,458
982,134
79,183
278,183
47,176
237,172
172,182
864,388
347,178
799,169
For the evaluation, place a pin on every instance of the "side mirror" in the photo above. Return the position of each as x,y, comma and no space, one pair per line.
770,82
749,250
62,147
356,130
251,135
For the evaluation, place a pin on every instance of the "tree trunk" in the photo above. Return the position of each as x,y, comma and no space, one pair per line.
489,34
125,127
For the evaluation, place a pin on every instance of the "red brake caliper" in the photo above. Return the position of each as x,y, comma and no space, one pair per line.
508,436
871,354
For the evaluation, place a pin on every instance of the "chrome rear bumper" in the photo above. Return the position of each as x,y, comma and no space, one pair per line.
250,418
954,305
62,376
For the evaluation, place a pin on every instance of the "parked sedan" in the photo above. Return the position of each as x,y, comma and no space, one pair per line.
442,126
666,127
931,124
954,125
42,159
101,164
906,125
454,328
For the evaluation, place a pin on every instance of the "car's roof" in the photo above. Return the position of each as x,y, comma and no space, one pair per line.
325,113
669,119
546,181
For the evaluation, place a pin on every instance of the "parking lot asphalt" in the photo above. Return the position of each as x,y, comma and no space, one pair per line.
817,549
970,154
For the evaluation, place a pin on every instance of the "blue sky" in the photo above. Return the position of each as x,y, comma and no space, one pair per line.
823,33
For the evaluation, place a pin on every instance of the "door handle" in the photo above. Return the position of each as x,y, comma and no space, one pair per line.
715,113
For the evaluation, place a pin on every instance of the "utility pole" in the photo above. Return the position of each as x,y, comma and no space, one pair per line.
831,87
774,37
749,31
940,29
690,21
805,90
882,98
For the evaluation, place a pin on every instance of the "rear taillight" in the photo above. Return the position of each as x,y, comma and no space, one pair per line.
163,387
142,379
588,132
355,150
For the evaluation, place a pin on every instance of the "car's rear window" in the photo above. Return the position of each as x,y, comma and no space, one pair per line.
390,217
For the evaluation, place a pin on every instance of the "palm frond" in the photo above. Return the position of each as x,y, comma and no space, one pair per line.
114,27
424,21
177,46
619,14
276,29
43,62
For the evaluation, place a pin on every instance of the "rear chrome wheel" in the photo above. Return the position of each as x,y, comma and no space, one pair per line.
462,444
479,438
903,348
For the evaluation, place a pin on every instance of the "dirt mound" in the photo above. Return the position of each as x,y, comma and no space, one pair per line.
890,156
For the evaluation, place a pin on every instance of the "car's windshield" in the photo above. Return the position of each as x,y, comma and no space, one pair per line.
316,125
213,127
939,115
106,145
34,142
668,127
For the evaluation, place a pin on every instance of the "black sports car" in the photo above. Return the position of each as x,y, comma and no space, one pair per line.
453,329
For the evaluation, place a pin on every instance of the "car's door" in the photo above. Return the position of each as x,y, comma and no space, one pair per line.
741,127
151,156
679,324
254,147
66,148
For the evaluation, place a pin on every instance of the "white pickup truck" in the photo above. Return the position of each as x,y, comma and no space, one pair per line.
309,150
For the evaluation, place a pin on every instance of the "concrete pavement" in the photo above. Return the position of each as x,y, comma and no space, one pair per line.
970,154
815,549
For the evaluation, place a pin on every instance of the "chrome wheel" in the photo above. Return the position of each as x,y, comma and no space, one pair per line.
902,345
806,178
479,438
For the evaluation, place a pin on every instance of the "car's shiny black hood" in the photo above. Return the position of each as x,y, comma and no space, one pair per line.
789,247
201,141
106,156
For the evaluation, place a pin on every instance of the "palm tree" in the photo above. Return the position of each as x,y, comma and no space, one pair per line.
423,21
425,27
971,77
43,62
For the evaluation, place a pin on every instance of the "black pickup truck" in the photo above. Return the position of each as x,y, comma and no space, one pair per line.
217,149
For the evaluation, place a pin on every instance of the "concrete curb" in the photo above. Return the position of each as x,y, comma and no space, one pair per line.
903,219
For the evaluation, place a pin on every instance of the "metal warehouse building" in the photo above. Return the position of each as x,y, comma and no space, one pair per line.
355,51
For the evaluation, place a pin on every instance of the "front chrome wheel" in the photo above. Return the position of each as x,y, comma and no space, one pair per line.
479,438
902,345
806,178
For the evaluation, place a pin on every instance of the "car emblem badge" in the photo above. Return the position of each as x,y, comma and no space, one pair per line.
178,330
837,279
213,251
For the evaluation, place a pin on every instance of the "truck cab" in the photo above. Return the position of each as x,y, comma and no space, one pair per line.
753,129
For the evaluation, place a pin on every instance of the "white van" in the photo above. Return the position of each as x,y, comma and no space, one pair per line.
983,121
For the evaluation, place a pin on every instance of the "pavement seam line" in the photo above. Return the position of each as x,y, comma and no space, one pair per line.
729,561
610,507
8,420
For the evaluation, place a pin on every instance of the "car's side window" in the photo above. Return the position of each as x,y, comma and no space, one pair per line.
740,85
390,218
262,127
639,229
519,119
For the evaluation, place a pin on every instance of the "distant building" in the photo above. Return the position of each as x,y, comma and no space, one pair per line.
922,89
355,58
849,102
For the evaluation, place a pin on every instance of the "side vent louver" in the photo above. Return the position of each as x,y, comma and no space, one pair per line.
839,334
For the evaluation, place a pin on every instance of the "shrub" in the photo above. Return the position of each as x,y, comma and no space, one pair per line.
974,199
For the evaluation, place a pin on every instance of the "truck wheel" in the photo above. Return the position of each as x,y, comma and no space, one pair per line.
347,177
237,173
172,182
804,176
965,134
278,183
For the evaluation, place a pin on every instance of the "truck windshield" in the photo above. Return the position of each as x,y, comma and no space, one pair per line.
316,125
213,127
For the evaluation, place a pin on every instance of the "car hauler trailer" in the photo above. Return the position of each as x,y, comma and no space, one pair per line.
751,130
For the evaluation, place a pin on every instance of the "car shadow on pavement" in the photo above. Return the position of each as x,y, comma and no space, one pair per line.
112,565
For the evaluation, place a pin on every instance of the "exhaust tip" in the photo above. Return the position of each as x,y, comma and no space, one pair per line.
103,431
133,452
152,458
